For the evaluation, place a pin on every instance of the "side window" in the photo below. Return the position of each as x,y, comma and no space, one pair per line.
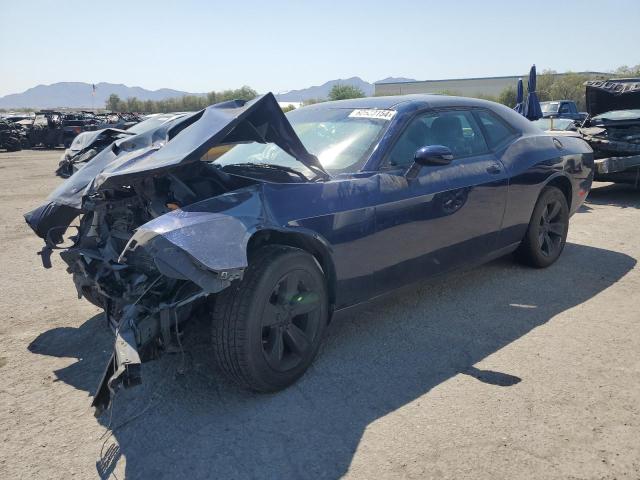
564,108
497,131
457,130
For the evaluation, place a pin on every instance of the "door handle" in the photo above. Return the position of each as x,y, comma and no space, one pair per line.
494,169
558,143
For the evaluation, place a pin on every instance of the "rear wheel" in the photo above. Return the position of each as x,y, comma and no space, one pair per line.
547,232
267,328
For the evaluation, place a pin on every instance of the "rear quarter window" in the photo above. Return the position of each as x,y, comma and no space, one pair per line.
497,132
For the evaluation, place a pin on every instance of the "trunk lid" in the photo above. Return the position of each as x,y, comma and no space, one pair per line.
610,95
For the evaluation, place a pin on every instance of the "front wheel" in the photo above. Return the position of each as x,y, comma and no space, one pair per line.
547,232
267,328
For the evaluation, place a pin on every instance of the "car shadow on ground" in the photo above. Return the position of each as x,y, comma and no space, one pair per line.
617,195
197,425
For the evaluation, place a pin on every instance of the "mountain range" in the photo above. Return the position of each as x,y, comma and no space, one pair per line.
80,94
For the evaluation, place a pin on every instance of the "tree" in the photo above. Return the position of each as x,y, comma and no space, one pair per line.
243,93
211,98
312,101
568,86
508,96
342,92
112,102
544,84
186,103
133,104
626,71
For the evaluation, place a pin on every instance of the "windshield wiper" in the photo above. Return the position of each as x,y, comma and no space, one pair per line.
271,166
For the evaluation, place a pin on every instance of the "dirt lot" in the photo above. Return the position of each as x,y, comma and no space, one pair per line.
499,372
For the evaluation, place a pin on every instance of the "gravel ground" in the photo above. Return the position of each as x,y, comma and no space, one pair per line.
498,372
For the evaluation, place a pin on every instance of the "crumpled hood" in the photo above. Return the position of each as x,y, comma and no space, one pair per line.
606,96
178,142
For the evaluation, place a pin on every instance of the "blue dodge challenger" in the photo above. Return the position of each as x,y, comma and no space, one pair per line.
273,224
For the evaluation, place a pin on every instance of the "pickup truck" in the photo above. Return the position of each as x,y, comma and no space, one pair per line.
562,109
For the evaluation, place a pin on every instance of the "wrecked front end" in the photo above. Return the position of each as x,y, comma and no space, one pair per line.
617,151
613,129
134,253
148,231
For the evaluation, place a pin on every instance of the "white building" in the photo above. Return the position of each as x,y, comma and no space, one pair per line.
468,87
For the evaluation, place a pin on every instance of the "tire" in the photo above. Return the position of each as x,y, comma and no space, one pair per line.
267,328
547,232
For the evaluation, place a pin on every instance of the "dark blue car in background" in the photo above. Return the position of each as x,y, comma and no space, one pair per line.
275,224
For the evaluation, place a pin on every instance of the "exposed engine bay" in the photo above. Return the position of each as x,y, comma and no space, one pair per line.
110,221
144,304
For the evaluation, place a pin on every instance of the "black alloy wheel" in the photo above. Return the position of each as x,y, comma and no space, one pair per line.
547,232
290,320
268,327
551,228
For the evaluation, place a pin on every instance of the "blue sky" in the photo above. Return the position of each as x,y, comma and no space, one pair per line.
276,45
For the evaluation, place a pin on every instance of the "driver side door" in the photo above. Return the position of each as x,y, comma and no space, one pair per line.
446,217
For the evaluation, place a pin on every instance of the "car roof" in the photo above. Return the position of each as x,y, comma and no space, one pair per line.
405,102
409,103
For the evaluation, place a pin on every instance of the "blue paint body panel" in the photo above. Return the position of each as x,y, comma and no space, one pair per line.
379,229
383,231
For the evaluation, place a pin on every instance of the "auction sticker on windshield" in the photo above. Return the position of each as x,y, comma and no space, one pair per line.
373,113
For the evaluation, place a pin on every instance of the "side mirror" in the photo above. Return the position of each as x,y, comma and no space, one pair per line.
433,155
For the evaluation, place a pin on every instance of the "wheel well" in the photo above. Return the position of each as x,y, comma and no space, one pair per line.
564,185
303,242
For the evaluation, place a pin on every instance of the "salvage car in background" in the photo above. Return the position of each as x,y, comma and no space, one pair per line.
120,120
613,129
46,129
75,123
87,145
13,136
293,219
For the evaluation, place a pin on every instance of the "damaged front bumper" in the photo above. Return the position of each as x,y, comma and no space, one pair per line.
137,338
150,287
150,324
123,369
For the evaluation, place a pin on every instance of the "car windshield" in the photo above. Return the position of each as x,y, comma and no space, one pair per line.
341,138
618,115
549,107
557,124
151,123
